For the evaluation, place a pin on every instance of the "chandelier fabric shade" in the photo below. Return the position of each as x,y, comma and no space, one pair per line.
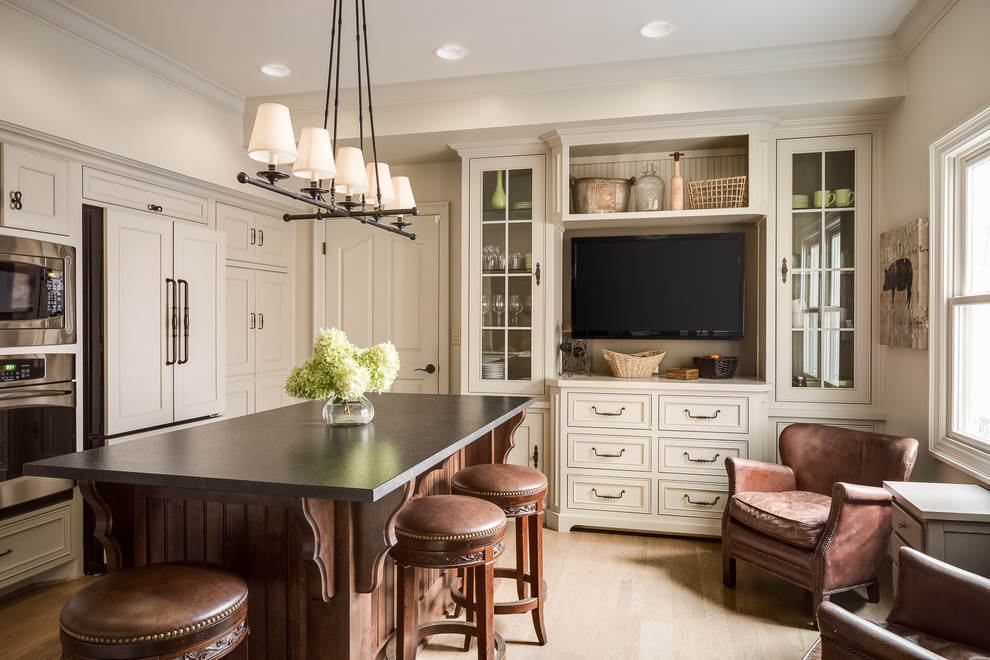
369,192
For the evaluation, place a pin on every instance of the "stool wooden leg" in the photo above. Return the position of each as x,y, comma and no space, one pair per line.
467,587
522,554
406,631
536,574
485,603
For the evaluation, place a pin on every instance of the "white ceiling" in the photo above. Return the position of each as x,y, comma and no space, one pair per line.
226,41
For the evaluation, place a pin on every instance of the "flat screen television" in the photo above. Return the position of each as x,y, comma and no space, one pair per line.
686,286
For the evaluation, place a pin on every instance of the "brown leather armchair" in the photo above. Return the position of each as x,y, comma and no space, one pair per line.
940,611
822,519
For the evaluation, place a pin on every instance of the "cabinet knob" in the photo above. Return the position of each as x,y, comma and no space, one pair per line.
15,203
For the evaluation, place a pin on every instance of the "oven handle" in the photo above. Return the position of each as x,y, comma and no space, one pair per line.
41,395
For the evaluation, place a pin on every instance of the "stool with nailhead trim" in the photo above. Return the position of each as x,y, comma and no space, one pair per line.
447,532
160,611
521,493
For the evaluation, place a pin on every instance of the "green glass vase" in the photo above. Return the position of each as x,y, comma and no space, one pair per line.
498,197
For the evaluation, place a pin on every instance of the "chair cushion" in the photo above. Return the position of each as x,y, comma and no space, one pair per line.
794,516
941,647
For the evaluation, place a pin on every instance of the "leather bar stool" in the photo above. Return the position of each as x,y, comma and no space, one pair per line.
160,611
447,531
521,493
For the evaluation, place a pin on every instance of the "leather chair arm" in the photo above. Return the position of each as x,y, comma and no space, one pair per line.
941,600
856,535
845,635
747,475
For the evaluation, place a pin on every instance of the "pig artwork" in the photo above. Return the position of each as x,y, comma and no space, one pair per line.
899,276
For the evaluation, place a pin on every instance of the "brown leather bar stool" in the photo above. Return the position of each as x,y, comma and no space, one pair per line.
521,493
160,611
447,531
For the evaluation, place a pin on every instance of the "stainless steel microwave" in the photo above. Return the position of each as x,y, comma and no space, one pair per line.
37,292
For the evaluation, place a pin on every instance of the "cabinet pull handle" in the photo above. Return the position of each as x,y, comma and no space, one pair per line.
261,237
261,321
608,414
783,270
702,502
185,321
253,320
902,525
15,203
537,273
608,497
595,452
155,207
701,460
536,456
6,552
254,235
702,416
172,320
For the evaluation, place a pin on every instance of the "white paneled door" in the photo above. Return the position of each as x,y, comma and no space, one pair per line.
384,287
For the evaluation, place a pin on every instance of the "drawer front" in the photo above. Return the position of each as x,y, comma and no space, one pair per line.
693,499
34,541
699,456
711,414
608,493
618,411
614,452
134,194
907,528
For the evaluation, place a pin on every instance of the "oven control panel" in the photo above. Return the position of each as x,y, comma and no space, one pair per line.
18,369
56,293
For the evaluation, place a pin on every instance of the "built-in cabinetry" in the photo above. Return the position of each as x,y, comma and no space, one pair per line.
37,541
123,191
649,454
164,321
259,309
34,190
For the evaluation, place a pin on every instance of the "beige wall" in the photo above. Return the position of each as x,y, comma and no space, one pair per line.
947,81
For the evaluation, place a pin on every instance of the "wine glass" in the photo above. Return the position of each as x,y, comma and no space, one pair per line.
515,306
484,307
499,307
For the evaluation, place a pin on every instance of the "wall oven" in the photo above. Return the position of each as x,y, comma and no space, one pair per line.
37,420
37,292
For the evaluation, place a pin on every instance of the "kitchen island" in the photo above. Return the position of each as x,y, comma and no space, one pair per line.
304,511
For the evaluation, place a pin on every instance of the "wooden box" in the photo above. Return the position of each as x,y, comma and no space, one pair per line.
681,373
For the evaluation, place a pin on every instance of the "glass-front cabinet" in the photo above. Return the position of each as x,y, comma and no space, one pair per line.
824,269
505,272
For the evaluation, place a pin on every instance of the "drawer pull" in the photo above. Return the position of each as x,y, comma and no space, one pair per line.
701,460
702,502
702,416
902,525
608,414
17,205
621,452
6,552
608,497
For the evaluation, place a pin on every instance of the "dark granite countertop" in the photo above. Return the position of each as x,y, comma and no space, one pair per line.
290,452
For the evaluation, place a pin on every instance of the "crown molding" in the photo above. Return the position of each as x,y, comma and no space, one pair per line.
919,22
66,19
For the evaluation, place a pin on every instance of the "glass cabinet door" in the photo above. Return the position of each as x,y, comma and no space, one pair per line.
824,323
507,318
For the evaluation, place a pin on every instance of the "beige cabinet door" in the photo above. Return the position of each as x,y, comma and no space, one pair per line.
255,237
528,447
237,224
35,191
139,298
242,321
274,240
273,302
198,266
383,287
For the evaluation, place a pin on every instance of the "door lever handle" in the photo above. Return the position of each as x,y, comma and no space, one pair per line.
429,369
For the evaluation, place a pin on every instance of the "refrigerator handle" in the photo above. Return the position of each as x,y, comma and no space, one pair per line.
171,320
185,321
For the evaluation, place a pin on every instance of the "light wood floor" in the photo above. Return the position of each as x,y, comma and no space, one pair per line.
611,596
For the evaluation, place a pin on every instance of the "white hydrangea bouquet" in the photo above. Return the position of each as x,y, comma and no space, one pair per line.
342,373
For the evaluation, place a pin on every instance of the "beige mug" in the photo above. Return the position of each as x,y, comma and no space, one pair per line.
824,198
844,197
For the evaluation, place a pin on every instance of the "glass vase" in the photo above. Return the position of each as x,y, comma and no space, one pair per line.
498,197
348,412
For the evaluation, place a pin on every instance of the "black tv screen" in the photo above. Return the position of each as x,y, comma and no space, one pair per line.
672,286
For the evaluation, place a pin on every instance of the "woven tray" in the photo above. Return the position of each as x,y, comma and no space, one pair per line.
720,367
724,193
635,365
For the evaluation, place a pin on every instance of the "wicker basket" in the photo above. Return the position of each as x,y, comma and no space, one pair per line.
725,193
637,365
720,367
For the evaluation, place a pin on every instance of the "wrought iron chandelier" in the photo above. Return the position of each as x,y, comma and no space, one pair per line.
273,142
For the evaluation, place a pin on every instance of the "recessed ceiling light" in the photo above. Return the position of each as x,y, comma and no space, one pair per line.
276,70
450,52
656,29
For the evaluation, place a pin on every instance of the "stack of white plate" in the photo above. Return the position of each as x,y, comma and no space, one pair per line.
493,370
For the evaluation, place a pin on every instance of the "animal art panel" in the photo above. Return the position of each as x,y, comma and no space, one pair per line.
903,296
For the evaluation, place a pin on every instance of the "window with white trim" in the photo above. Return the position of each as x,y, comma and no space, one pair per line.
960,311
